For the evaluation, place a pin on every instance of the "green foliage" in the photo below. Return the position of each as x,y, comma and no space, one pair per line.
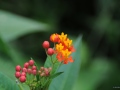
93,75
49,63
56,74
101,31
6,83
4,48
13,26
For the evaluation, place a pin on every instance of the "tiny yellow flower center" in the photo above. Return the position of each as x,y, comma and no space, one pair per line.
59,47
66,53
68,43
63,37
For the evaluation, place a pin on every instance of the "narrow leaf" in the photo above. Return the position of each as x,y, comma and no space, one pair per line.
56,74
7,84
13,26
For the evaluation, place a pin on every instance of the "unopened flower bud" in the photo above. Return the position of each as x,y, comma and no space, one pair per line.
39,71
50,51
17,74
18,68
33,67
34,72
26,65
24,70
45,69
31,62
22,79
41,68
29,71
46,44
23,74
50,68
42,74
47,73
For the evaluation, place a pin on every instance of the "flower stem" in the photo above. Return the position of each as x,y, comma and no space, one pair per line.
52,62
20,87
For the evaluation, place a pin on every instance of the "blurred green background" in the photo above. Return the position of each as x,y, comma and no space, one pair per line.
25,24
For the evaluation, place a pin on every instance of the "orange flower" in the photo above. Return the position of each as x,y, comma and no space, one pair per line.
59,47
64,56
62,37
63,47
54,38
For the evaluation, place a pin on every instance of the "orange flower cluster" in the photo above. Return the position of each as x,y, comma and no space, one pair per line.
63,47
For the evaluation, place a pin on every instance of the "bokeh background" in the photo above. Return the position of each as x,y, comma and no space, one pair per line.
25,24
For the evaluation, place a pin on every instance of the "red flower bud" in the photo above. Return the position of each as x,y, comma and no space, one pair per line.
33,67
29,71
46,72
46,44
26,65
17,74
31,62
24,70
22,79
50,51
18,68
23,74
34,72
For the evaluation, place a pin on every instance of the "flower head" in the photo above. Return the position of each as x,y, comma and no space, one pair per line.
63,37
59,47
63,47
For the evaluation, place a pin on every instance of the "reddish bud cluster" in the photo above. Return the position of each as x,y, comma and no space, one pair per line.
29,68
44,71
46,45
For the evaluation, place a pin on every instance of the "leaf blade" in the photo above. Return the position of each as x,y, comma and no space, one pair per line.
13,26
7,83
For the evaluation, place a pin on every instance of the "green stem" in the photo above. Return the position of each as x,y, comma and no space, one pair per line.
59,65
52,62
20,87
54,45
55,61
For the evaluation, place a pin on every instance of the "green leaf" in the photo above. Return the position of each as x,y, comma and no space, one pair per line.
7,68
9,53
13,26
71,71
48,63
95,74
7,84
56,74
4,49
25,86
